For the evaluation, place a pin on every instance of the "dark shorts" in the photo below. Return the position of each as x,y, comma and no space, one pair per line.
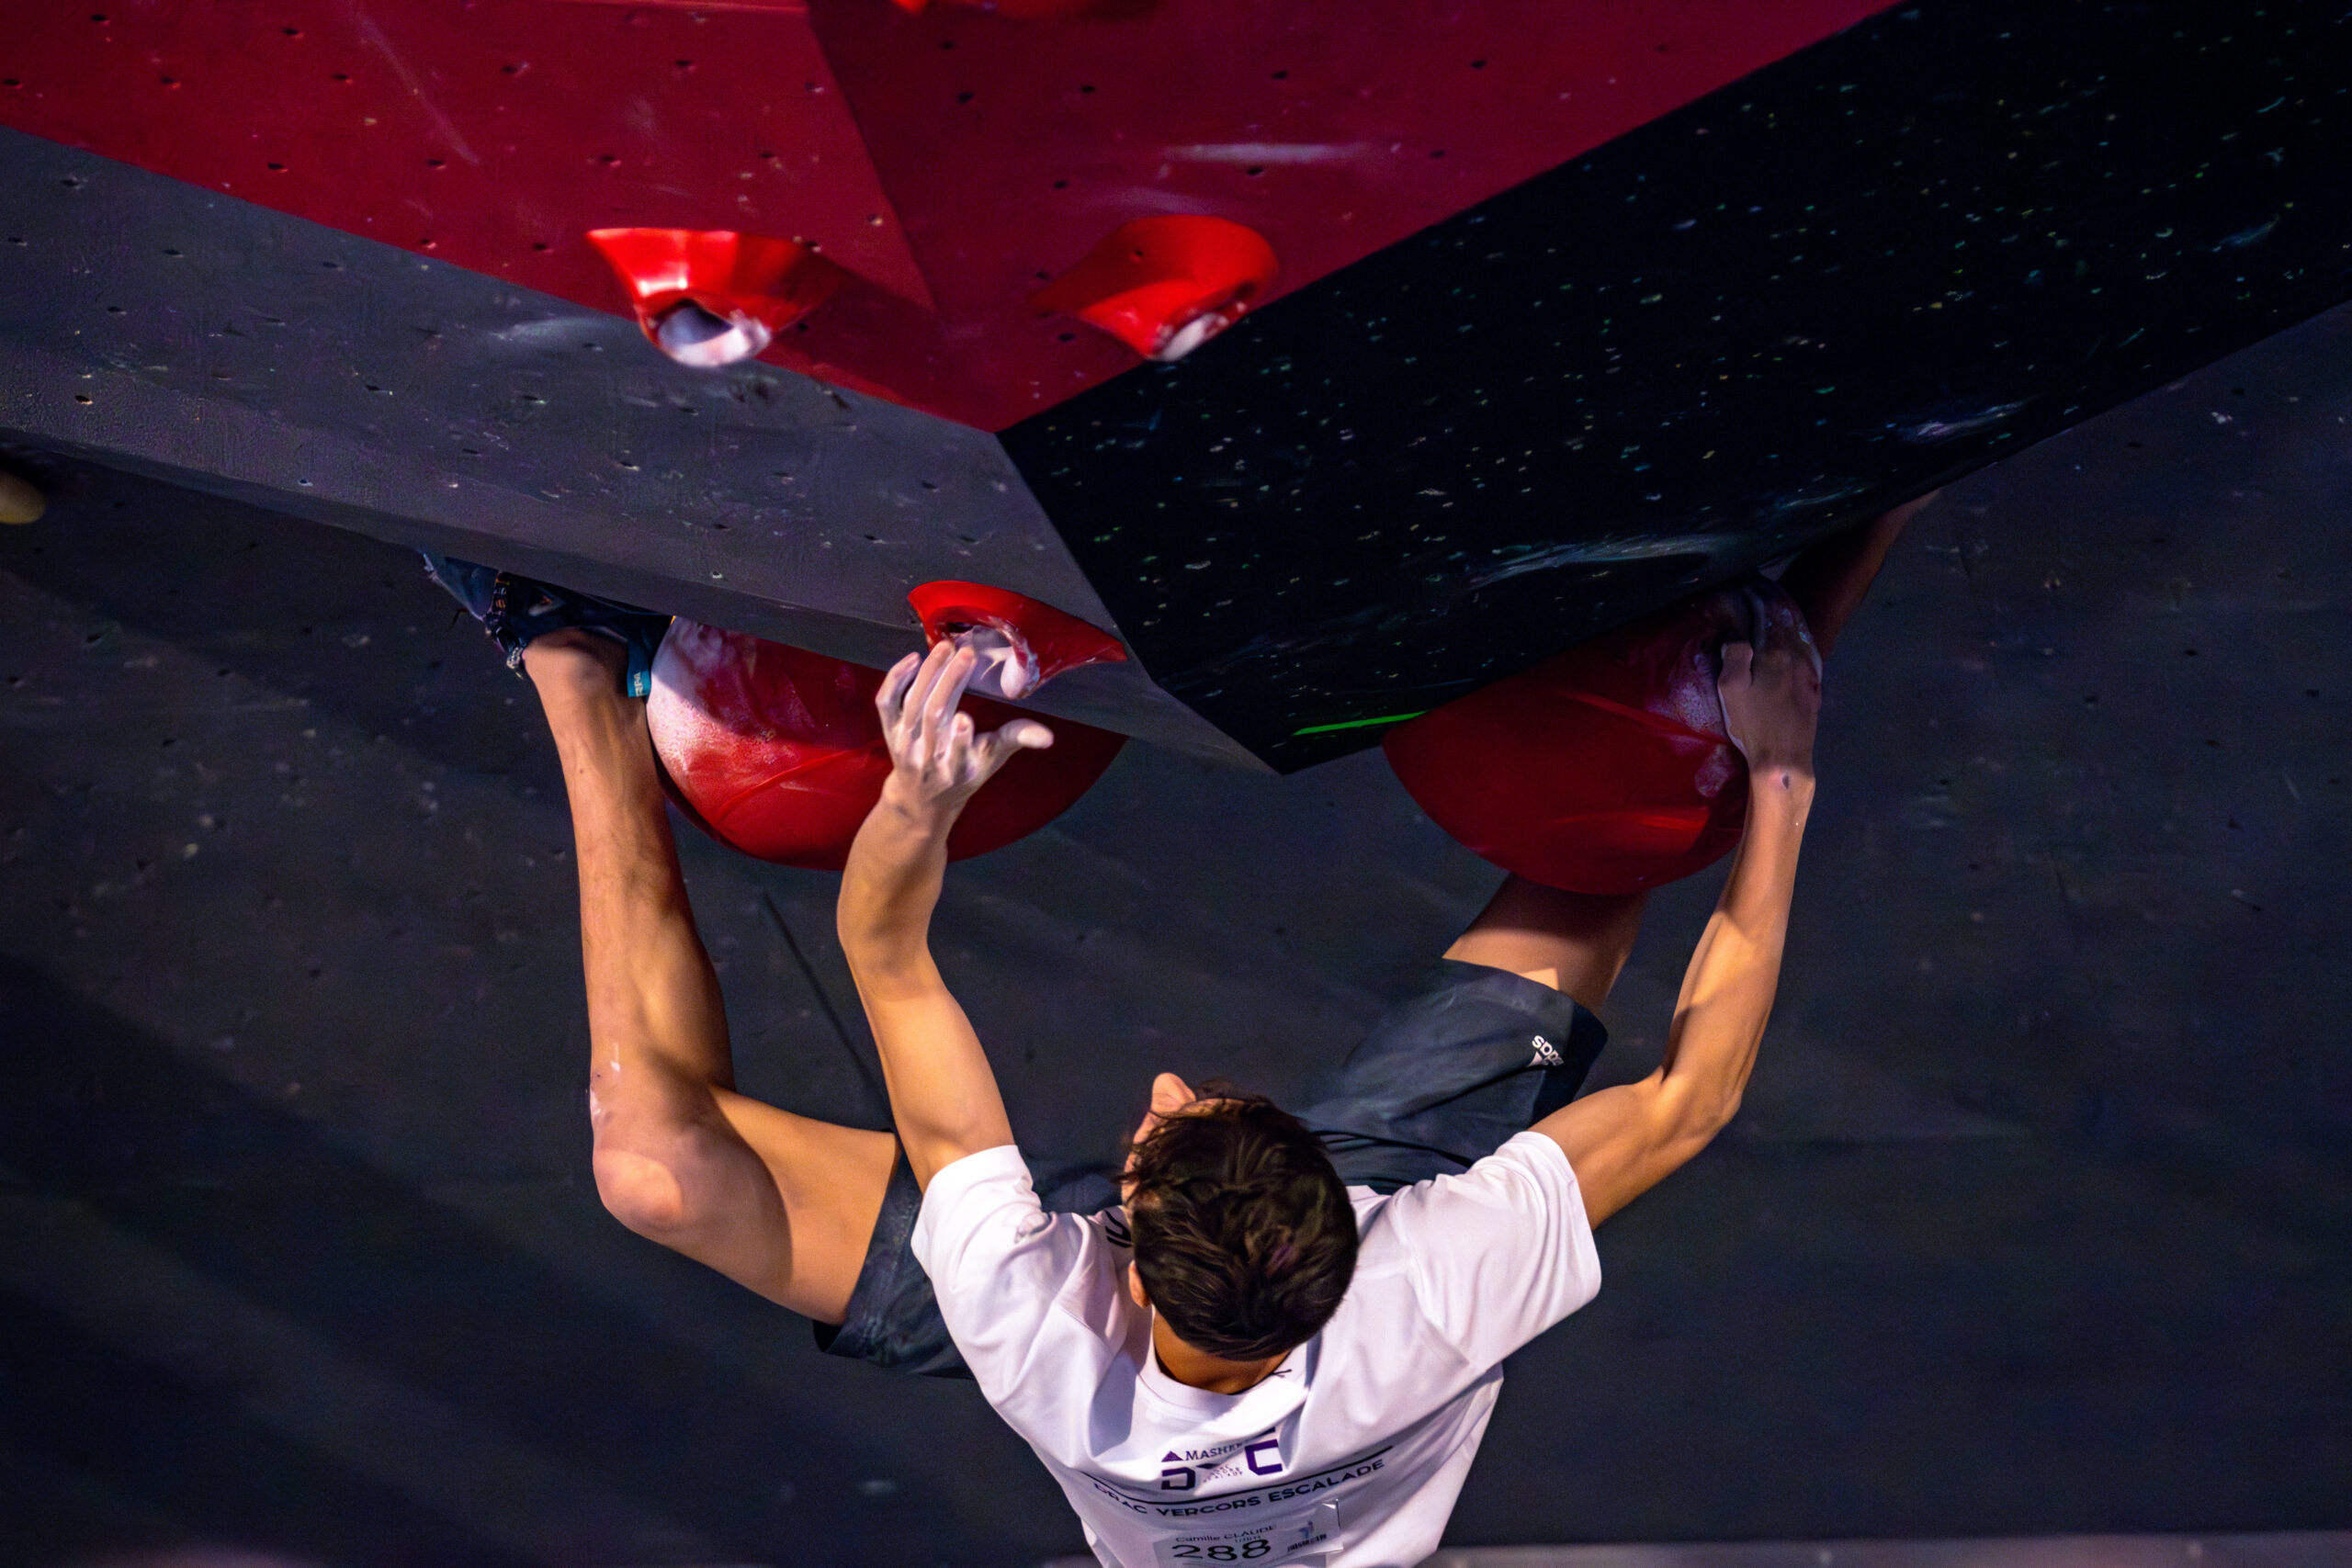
1471,1058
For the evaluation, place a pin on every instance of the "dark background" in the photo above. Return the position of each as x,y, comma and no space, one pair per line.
2035,1219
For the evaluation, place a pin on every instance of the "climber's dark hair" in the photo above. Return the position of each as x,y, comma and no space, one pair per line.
1244,1235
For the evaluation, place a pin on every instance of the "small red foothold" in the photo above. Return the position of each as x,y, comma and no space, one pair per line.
1034,642
710,297
1165,286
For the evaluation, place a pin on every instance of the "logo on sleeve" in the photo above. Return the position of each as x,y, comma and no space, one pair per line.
1546,1055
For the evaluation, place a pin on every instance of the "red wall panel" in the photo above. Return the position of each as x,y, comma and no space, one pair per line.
951,159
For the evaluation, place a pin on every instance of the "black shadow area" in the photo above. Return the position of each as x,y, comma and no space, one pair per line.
252,1198
185,1447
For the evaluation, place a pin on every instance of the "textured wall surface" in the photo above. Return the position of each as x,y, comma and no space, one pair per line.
950,161
2033,1221
1934,238
1869,266
227,347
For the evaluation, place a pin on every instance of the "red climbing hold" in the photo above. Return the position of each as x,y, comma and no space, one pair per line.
1165,286
708,297
1604,769
779,753
1023,644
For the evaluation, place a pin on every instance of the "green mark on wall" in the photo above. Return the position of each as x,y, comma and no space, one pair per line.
1359,723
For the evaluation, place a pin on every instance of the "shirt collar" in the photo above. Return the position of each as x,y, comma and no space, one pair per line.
1263,1404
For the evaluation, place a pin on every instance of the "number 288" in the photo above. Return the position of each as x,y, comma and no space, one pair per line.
1224,1551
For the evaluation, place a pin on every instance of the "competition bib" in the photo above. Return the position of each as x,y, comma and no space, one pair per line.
1305,1539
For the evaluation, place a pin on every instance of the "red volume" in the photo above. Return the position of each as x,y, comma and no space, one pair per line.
1604,769
778,751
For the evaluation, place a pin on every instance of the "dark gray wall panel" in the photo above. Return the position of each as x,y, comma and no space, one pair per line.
190,336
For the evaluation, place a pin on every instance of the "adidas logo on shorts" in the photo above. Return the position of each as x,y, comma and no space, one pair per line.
1546,1053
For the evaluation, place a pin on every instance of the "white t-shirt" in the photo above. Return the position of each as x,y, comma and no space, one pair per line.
1351,1453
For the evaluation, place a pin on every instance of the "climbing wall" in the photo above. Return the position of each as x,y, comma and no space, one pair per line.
950,160
1571,310
1888,260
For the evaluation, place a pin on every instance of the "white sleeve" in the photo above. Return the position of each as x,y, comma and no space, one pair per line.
997,1261
1502,1252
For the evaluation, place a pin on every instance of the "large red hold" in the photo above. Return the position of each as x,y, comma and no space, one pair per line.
779,753
1604,769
